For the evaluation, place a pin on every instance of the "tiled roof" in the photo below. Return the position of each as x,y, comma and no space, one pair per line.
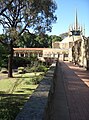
16,49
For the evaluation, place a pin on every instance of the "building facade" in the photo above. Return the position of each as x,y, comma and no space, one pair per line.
73,48
76,44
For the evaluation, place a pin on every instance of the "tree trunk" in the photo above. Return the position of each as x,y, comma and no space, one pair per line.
10,60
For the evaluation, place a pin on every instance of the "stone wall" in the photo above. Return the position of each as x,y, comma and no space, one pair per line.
80,52
49,106
35,107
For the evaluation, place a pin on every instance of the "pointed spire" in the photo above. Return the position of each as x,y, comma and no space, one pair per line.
76,21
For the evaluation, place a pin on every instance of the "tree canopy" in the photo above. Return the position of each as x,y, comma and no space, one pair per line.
17,16
34,40
56,38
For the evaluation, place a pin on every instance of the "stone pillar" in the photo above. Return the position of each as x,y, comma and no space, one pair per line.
38,55
19,54
61,57
28,54
15,54
24,55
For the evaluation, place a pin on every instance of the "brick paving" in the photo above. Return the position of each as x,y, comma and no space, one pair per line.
70,96
76,86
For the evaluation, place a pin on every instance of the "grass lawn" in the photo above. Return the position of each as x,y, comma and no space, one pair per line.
14,92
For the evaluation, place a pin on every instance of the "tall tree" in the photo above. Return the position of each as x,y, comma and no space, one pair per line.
17,16
56,38
34,40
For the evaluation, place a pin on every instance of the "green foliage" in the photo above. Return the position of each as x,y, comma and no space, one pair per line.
39,68
44,40
22,15
34,80
14,94
33,40
24,61
9,108
42,68
56,38
21,61
27,40
3,56
4,70
32,69
25,14
21,70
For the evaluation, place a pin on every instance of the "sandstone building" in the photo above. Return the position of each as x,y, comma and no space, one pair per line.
73,48
75,45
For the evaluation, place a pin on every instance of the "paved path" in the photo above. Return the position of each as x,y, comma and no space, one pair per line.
71,98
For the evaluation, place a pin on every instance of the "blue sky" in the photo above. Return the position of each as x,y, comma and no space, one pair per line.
66,15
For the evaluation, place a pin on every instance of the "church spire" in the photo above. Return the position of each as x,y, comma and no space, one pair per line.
76,21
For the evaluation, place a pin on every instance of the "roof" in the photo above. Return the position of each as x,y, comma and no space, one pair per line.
17,49
70,39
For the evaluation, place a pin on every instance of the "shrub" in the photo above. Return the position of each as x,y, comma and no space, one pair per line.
21,61
32,69
4,70
34,80
42,68
39,68
21,70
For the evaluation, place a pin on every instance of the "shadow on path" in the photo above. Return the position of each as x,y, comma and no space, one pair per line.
77,91
70,98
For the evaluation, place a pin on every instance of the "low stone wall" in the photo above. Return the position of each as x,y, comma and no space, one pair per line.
49,106
35,108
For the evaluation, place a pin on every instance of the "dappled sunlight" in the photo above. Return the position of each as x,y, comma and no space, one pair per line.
2,75
26,89
76,83
81,73
14,92
84,76
27,75
11,104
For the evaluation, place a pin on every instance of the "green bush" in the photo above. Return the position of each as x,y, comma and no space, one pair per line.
21,61
3,56
4,70
32,69
21,70
39,68
34,80
42,68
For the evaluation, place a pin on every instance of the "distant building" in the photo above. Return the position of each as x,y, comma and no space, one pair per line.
73,48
